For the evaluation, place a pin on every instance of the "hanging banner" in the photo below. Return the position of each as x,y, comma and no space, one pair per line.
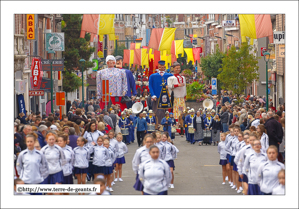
30,27
21,103
100,49
96,65
35,69
164,101
271,50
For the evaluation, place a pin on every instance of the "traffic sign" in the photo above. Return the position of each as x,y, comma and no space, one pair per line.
57,65
263,49
214,86
268,90
37,93
60,98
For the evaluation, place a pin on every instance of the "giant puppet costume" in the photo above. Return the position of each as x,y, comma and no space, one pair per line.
117,83
177,85
159,97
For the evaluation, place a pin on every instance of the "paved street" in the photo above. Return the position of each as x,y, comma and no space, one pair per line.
197,172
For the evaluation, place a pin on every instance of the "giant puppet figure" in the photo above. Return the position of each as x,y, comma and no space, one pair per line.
177,85
159,97
130,80
117,83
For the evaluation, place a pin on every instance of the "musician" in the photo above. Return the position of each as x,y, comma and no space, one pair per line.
131,118
208,120
144,115
190,122
167,122
173,123
199,127
155,87
130,81
124,123
187,112
150,119
117,83
213,113
177,85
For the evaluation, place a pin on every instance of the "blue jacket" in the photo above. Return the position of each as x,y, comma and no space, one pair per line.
167,127
141,124
195,124
151,120
130,83
123,122
155,82
41,139
206,121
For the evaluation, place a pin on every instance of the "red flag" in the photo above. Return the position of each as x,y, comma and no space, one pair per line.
173,47
126,56
196,54
151,67
132,46
137,56
173,58
88,25
155,38
156,59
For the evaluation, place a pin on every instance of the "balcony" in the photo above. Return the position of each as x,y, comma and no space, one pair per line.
19,54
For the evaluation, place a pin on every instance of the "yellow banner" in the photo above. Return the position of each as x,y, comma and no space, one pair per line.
179,47
189,53
106,26
166,39
144,58
131,57
30,27
247,26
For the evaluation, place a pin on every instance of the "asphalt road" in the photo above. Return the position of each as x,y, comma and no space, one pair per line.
197,172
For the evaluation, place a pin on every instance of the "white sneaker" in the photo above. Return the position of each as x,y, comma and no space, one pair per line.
226,178
236,189
241,188
171,186
223,183
111,190
120,179
234,186
239,191
107,188
231,184
115,179
112,183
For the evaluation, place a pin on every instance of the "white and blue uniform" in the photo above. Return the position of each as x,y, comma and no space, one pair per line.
122,150
124,123
222,152
92,137
141,155
162,149
264,142
155,175
109,162
171,153
230,148
114,147
32,166
279,190
99,158
81,161
68,167
251,165
267,175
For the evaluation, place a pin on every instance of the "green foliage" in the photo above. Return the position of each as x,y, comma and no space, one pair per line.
71,81
187,73
168,20
76,48
183,59
194,91
239,69
120,50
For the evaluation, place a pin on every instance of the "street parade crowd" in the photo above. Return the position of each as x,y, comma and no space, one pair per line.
90,142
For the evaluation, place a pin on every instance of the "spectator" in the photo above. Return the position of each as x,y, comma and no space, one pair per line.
274,130
90,107
42,132
242,116
20,137
272,107
72,138
79,116
224,119
113,117
108,120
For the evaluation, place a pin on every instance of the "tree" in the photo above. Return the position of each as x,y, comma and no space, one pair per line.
239,69
76,48
211,64
183,60
120,50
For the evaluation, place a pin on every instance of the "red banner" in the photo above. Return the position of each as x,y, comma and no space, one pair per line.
100,49
35,69
196,53
156,59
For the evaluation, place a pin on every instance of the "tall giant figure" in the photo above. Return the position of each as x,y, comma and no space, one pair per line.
155,86
177,85
117,83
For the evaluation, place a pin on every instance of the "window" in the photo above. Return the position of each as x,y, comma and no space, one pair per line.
211,17
188,31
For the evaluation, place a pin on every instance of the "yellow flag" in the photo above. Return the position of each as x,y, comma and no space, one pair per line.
131,57
163,56
179,48
247,26
166,39
189,53
137,45
106,26
144,58
150,55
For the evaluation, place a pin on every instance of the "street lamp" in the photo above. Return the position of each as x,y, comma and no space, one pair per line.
265,53
82,60
52,108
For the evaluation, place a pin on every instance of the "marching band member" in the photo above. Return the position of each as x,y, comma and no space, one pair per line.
141,155
108,168
199,126
124,123
222,152
173,123
208,120
157,141
167,123
279,190
263,137
190,122
150,119
186,124
155,174
177,85
131,127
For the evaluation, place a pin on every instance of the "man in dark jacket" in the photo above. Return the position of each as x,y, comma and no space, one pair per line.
79,116
20,137
113,117
224,117
274,130
42,131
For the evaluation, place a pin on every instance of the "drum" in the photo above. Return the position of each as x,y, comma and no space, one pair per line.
151,127
124,131
190,130
173,129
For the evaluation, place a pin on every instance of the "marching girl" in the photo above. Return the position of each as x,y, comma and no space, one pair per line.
120,160
222,152
279,190
31,164
157,141
171,154
155,174
55,158
228,143
81,161
251,166
124,123
261,131
141,155
150,119
114,147
108,169
100,155
102,183
69,156
267,172
238,147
